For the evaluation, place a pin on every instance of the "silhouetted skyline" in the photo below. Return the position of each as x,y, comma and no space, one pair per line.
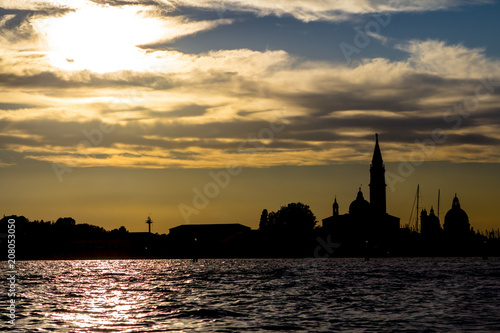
292,231
366,220
205,112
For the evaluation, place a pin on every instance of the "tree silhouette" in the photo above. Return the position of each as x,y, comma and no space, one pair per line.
65,222
264,222
120,231
295,217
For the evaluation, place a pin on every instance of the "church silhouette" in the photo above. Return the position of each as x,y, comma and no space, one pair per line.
365,220
456,221
367,228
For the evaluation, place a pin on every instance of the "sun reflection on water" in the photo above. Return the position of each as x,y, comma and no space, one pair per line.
256,295
105,294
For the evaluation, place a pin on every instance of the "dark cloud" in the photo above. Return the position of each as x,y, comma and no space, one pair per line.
19,26
472,139
85,79
7,140
191,110
179,155
45,79
406,95
119,3
299,134
15,106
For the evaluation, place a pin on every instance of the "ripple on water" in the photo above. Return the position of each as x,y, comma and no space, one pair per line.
398,295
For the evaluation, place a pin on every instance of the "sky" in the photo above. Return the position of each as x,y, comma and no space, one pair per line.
211,111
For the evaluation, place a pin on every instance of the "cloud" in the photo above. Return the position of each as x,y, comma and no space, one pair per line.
208,109
318,10
307,11
384,40
452,61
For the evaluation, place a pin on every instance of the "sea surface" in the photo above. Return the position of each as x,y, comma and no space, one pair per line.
256,295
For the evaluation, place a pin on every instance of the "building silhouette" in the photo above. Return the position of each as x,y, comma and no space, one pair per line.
365,220
149,222
208,240
207,232
429,223
377,182
456,220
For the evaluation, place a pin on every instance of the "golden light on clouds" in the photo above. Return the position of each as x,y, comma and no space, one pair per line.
189,85
101,39
90,62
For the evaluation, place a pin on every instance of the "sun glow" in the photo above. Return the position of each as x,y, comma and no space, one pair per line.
101,38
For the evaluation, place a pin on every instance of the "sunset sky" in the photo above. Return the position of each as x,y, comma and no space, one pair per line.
199,111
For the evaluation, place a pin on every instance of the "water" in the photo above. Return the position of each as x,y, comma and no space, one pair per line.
302,295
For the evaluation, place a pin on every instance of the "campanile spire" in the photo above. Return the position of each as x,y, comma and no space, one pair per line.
377,155
377,181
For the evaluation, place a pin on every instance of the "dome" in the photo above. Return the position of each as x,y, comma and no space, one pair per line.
360,205
456,220
433,218
429,223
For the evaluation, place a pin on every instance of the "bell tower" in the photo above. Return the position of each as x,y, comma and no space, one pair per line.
377,181
335,207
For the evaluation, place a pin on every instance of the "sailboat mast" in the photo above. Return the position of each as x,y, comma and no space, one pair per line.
418,213
439,198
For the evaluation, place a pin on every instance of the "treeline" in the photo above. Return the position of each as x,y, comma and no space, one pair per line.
291,231
295,217
490,234
65,239
65,227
